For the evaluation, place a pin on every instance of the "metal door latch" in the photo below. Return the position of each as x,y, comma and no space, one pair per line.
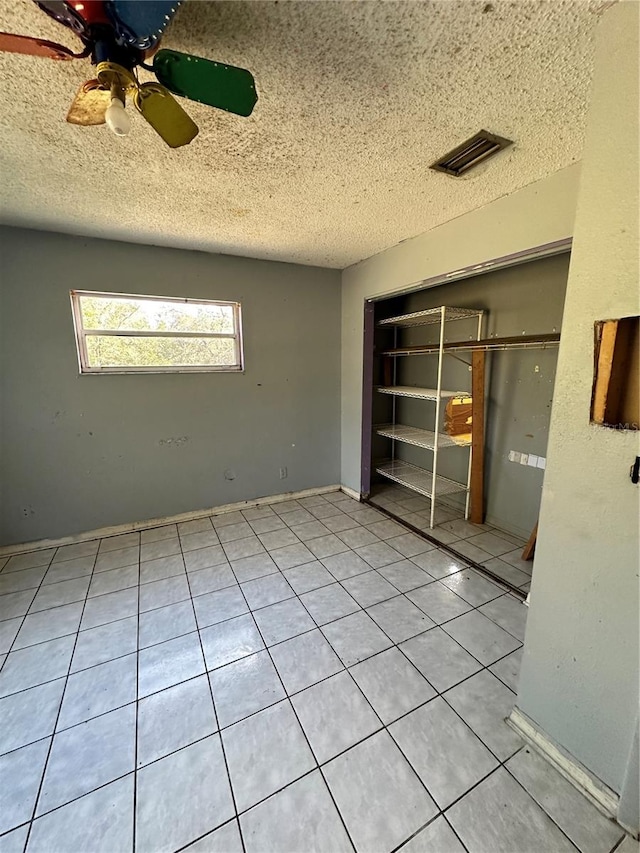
634,471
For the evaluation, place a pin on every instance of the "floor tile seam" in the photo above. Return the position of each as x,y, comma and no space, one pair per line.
141,648
336,807
101,625
356,575
28,613
318,626
473,731
383,725
397,645
6,573
400,520
452,828
44,609
618,844
217,722
472,607
365,607
6,832
44,814
478,608
400,847
142,530
209,832
302,729
476,784
136,765
178,574
30,743
524,583
294,693
345,668
287,699
55,725
458,643
525,745
243,613
121,546
29,588
436,624
436,691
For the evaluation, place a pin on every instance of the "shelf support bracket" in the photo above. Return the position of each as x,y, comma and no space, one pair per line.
458,358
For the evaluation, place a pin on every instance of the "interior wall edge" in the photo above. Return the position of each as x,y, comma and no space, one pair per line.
579,676
594,789
539,214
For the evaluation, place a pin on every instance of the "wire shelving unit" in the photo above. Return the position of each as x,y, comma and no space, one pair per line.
426,481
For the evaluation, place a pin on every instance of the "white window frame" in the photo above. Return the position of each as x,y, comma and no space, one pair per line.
82,334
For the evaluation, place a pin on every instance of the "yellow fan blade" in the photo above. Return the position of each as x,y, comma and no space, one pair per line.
165,115
89,104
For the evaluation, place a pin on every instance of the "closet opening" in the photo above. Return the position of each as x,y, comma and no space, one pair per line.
459,381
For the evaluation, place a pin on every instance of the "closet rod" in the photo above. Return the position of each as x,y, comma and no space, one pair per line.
516,342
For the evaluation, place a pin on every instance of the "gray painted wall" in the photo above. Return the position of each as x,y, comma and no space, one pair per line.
579,678
533,216
80,452
525,299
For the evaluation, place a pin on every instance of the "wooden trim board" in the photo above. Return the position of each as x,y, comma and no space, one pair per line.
530,547
606,334
478,359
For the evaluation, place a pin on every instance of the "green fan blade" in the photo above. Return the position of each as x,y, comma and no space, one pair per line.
223,86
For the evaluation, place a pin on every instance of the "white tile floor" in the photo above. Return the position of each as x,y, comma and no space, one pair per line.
500,552
302,677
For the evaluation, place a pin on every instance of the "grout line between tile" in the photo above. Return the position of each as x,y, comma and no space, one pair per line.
295,713
288,697
53,732
319,626
215,713
551,818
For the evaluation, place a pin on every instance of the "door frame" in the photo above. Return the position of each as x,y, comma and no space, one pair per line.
535,253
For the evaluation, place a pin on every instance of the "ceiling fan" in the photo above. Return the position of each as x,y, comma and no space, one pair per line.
119,36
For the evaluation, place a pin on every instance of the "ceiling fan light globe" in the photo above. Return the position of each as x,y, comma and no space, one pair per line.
116,118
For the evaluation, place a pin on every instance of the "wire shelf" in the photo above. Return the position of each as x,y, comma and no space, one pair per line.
421,393
418,479
430,316
420,437
510,343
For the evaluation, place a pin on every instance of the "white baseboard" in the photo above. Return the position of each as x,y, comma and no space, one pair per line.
129,527
350,492
589,785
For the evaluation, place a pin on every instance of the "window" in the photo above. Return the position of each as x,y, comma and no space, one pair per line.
119,333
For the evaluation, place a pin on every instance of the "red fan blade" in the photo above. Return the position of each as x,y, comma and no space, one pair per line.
36,47
92,11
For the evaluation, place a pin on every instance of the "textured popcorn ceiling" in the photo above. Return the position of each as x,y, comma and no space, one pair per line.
356,99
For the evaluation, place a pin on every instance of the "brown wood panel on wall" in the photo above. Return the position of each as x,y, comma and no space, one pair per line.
477,436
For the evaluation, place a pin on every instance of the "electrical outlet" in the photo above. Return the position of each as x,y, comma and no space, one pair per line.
283,473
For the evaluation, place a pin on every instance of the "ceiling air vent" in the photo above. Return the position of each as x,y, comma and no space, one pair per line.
470,153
